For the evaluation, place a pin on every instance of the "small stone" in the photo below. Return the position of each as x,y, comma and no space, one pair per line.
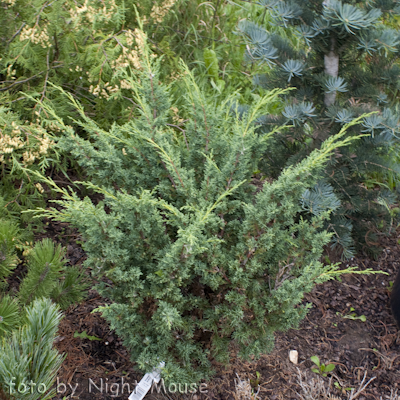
294,356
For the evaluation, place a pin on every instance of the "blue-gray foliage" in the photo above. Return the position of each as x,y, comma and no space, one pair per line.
346,65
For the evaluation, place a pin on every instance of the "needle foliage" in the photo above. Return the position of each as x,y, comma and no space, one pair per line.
346,65
198,257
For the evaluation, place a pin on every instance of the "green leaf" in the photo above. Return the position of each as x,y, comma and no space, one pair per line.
315,360
329,367
316,370
211,61
84,335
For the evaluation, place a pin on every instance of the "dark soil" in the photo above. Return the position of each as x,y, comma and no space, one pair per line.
98,369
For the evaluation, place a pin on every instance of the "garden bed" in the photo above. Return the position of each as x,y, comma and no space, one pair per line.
97,369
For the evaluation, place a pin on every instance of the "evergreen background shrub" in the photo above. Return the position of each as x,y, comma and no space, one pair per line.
24,147
78,45
347,65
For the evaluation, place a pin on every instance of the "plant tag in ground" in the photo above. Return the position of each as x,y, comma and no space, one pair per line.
146,382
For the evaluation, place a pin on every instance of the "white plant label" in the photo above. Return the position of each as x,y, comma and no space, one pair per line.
146,383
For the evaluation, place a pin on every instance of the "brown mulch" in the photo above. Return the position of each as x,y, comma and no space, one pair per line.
98,369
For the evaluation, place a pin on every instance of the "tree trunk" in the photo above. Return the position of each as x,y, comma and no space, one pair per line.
331,61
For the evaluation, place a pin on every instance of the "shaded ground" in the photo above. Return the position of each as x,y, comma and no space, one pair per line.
98,369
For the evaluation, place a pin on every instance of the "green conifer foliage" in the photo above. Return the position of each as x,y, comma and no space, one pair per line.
347,66
74,44
78,45
47,273
48,276
28,363
199,260
9,314
70,288
28,321
24,147
8,258
45,263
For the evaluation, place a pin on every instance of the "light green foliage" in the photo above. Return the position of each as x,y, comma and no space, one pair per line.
27,324
45,263
24,147
9,315
79,46
47,275
27,357
84,335
211,62
352,315
70,287
9,235
27,332
337,385
196,255
321,369
344,64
